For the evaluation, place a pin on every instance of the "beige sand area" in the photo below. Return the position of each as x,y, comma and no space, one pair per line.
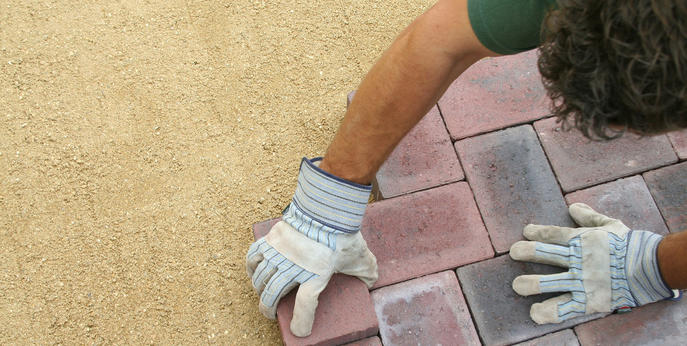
140,141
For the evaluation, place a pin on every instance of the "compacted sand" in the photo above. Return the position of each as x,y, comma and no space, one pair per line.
140,141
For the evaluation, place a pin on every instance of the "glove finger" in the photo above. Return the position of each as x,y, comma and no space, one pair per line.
306,303
364,268
538,252
279,285
527,285
263,274
254,256
548,311
585,216
551,234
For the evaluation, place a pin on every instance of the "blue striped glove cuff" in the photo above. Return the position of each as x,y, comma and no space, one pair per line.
643,274
324,204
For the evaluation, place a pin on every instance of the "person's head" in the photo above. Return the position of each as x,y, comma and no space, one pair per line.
618,63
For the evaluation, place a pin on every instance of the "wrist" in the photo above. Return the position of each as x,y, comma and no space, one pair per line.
354,172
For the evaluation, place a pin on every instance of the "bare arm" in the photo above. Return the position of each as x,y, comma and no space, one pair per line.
401,88
672,260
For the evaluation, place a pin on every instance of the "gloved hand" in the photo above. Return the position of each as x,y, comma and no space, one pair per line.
610,267
319,236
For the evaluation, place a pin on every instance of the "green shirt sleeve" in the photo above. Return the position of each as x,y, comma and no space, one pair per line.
509,26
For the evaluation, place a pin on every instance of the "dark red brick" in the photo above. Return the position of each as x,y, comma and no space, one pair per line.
513,183
425,311
562,338
494,93
424,158
425,232
668,185
345,313
373,341
660,323
679,140
627,200
502,316
261,229
579,162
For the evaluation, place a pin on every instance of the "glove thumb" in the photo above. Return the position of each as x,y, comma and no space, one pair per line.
306,303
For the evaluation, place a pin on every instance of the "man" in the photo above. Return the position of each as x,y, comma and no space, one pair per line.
609,66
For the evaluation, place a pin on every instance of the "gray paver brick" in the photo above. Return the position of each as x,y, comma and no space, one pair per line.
668,186
679,140
513,183
501,315
562,338
660,323
627,200
425,232
261,229
579,162
429,310
345,313
494,93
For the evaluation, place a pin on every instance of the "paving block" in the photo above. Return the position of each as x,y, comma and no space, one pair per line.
425,232
373,341
661,323
679,140
513,183
668,185
261,229
494,93
562,338
345,313
627,200
425,311
501,315
424,158
579,162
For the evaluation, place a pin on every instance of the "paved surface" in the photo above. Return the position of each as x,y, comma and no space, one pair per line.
456,194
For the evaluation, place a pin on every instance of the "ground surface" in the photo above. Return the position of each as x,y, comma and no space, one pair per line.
139,142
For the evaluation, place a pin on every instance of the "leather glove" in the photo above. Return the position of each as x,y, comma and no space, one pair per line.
319,236
610,267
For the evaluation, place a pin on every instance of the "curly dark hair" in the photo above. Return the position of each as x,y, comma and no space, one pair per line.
617,62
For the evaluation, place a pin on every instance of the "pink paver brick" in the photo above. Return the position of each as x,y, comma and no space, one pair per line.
345,313
429,310
494,93
513,183
662,323
502,317
679,140
425,232
372,341
579,162
562,338
424,158
668,185
261,229
627,200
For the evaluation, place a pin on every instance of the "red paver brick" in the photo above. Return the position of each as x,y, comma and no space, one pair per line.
494,93
425,232
425,311
627,200
668,185
562,338
345,313
373,341
679,140
660,323
424,158
513,183
502,316
579,162
261,229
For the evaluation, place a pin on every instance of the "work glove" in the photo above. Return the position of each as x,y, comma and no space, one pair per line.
610,267
319,236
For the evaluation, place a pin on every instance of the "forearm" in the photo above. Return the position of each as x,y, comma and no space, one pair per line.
401,88
672,260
